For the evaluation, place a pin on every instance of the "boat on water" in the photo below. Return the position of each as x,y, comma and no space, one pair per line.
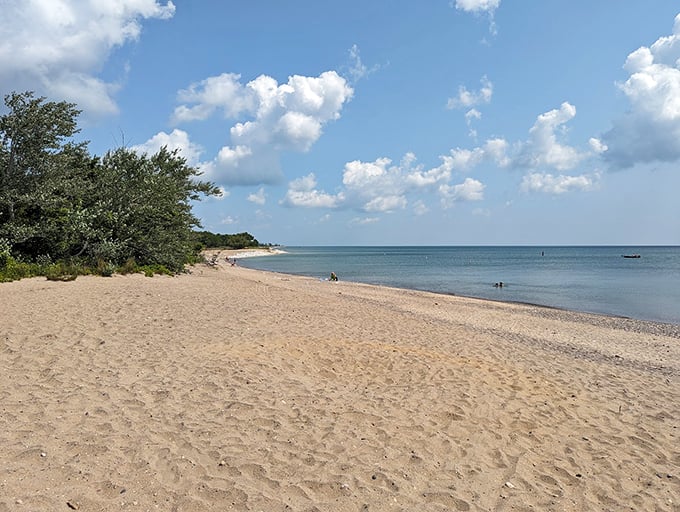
630,255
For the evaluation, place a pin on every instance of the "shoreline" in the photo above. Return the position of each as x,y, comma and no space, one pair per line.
671,326
238,389
625,324
243,253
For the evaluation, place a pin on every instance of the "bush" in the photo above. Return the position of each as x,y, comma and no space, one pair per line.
195,258
14,270
10,268
62,272
151,270
5,253
129,267
105,268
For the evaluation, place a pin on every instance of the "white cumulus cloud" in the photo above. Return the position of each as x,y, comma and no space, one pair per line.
650,130
270,118
386,203
230,157
381,186
302,192
561,184
478,5
463,159
202,99
487,7
467,99
469,190
472,115
378,186
597,145
56,47
258,197
543,147
359,175
177,139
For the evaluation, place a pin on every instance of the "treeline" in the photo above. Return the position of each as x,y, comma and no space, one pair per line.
210,240
61,205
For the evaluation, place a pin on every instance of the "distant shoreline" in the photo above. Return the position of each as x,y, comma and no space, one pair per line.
590,279
243,253
636,324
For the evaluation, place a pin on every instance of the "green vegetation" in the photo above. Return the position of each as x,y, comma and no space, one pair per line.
64,212
238,241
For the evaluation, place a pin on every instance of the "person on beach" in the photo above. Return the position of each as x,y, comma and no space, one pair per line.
333,276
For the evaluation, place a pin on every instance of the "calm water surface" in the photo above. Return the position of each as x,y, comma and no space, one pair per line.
593,279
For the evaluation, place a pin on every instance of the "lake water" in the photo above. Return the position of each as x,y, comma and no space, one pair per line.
592,279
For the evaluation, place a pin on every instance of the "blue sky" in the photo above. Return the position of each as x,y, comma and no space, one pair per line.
382,122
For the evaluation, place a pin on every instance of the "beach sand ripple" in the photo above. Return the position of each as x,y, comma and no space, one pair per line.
234,389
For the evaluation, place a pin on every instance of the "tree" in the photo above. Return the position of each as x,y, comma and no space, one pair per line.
32,145
144,207
59,203
237,241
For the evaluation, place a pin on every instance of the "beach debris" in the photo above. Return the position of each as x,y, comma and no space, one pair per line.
43,454
73,505
509,485
212,262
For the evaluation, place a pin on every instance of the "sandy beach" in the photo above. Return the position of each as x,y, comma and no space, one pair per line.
235,389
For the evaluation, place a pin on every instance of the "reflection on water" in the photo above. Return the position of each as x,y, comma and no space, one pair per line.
594,279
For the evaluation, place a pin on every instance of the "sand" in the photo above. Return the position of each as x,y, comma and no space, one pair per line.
235,389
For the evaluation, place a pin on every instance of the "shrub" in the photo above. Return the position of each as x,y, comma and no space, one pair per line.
129,267
62,272
14,270
5,252
105,268
151,270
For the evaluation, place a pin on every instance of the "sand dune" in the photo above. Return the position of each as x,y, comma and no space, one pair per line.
234,389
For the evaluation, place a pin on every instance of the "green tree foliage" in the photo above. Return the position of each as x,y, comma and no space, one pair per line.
57,202
145,209
238,241
32,149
